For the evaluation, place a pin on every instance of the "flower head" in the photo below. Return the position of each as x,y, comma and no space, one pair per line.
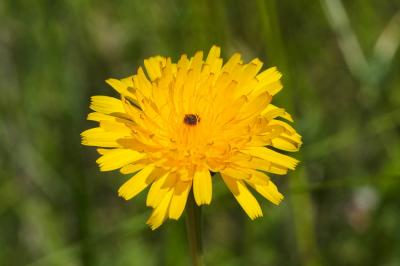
176,123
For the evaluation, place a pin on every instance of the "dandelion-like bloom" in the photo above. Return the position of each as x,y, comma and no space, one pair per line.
175,125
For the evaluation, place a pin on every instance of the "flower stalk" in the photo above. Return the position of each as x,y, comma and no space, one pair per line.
193,226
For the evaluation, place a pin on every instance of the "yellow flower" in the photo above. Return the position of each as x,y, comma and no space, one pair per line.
174,125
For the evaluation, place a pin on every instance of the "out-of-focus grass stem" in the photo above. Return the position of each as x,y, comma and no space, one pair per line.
368,70
301,205
348,42
388,43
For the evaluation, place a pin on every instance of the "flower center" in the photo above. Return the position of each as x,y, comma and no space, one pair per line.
191,119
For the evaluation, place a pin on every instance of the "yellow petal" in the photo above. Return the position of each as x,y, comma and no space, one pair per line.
153,66
141,82
244,197
113,125
232,110
269,81
272,113
159,214
213,54
232,62
287,128
128,81
197,62
260,164
179,198
215,67
117,158
255,106
132,168
246,78
98,137
104,151
272,156
269,191
277,169
283,114
120,87
251,174
235,173
258,177
254,163
202,186
106,105
286,144
137,183
159,188
95,116
274,87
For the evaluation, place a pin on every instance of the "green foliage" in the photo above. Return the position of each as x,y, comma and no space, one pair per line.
341,82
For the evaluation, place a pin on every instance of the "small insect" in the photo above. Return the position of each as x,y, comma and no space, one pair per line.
191,119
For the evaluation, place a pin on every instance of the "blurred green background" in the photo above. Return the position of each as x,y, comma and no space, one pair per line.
341,83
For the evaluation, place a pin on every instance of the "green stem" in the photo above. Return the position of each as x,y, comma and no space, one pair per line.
193,226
